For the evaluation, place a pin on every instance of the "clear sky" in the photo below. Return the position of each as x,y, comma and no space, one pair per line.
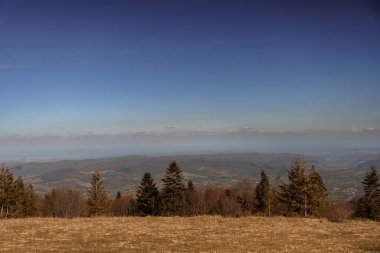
119,67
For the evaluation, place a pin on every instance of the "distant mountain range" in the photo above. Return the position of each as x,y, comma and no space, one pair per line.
342,173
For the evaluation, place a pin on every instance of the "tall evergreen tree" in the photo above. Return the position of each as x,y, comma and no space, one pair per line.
18,198
147,196
191,199
277,207
369,204
173,191
316,193
294,193
263,195
97,197
6,192
30,202
12,195
190,186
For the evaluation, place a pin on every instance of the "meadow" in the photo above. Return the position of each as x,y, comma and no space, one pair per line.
194,234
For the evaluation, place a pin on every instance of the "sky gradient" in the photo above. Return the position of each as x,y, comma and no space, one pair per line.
74,68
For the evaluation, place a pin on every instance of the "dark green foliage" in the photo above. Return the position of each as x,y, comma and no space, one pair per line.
6,192
277,207
190,186
14,197
191,200
369,204
302,195
190,195
30,202
18,198
294,193
147,196
97,198
316,193
263,195
173,191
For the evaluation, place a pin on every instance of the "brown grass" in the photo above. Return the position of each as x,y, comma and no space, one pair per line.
197,234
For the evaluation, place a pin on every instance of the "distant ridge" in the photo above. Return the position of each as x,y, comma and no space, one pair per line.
341,172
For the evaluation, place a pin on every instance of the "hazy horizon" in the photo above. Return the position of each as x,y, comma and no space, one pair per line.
41,148
165,77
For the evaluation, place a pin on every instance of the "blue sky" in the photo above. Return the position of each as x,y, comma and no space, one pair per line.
116,67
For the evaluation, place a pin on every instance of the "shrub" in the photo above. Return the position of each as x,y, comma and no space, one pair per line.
338,211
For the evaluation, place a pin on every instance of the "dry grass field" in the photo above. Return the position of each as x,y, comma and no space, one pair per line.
197,234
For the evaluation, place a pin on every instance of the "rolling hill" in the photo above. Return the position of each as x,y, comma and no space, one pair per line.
342,173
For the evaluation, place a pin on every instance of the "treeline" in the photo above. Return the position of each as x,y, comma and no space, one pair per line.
16,199
302,195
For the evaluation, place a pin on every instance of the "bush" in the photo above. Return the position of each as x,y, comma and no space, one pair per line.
338,211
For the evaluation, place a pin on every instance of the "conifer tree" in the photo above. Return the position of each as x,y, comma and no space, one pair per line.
190,186
369,204
97,197
12,195
173,191
316,193
277,207
147,196
18,198
6,191
30,202
263,195
191,199
294,193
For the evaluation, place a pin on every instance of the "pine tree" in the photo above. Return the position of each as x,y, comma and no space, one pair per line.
190,186
173,191
191,199
294,193
97,197
13,195
30,202
263,195
18,198
277,207
316,193
369,204
6,192
147,196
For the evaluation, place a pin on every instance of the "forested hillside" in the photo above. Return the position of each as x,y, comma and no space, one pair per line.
341,172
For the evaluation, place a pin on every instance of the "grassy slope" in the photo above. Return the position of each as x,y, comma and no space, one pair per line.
198,234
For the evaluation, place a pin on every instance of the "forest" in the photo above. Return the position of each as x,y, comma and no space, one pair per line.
302,194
